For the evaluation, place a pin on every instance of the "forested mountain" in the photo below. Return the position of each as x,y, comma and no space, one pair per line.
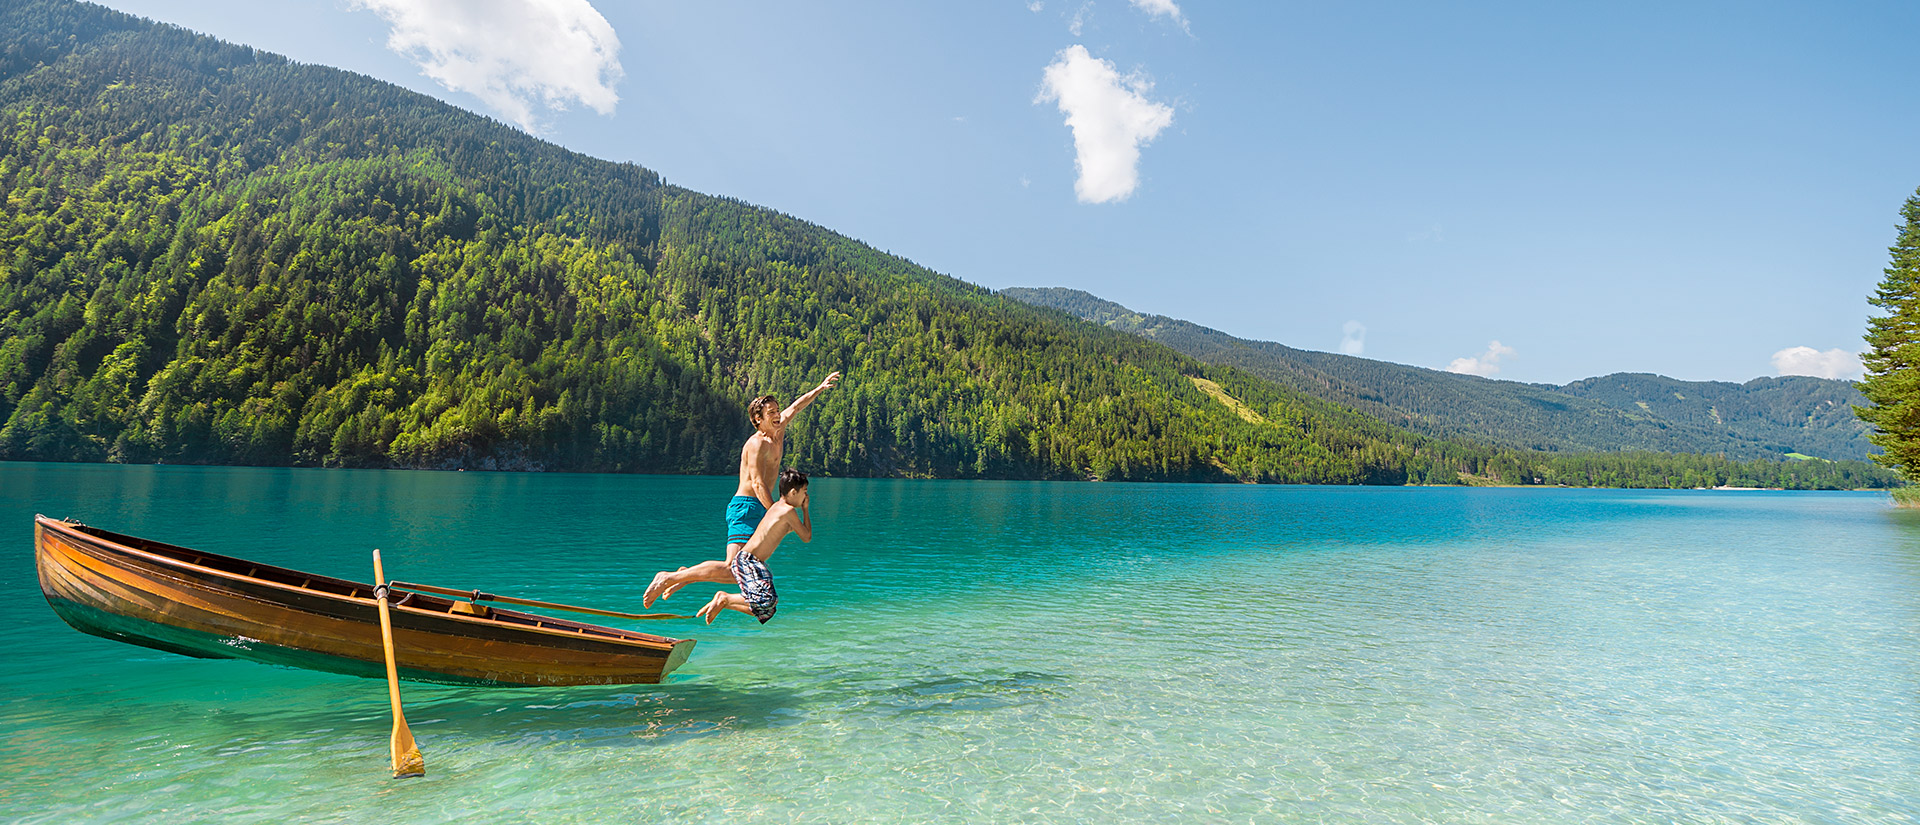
215,255
1763,418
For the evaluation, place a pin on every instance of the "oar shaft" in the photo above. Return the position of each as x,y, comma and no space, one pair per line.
480,596
386,636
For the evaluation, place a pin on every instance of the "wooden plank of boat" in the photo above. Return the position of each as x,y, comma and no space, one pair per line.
211,606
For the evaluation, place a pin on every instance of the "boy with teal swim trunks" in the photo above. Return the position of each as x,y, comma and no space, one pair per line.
759,486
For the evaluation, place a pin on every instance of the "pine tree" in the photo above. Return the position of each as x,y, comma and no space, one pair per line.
1892,385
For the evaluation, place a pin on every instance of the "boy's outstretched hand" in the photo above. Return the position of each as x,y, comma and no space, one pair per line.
829,382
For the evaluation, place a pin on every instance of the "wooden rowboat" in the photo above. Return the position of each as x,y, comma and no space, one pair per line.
200,604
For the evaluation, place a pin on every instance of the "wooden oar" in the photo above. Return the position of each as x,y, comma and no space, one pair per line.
407,760
479,596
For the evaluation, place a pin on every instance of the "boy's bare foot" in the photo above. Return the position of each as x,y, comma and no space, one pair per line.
653,590
713,608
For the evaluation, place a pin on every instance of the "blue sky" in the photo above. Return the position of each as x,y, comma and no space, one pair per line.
1703,190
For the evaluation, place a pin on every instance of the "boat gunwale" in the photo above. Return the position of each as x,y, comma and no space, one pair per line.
592,632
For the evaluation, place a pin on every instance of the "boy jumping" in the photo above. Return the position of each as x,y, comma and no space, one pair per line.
749,566
759,462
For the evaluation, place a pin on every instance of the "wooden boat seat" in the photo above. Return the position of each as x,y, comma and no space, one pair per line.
471,609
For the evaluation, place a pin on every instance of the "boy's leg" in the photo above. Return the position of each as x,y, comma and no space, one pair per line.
724,601
666,582
743,516
705,573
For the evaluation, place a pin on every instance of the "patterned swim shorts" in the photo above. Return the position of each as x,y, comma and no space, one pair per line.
756,584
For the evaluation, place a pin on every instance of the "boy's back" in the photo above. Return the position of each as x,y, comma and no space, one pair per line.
781,519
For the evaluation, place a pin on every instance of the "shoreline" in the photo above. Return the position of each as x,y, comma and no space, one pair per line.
1909,499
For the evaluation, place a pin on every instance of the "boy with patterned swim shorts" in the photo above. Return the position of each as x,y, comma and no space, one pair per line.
749,566
759,464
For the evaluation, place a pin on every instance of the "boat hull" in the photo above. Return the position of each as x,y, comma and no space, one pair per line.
200,604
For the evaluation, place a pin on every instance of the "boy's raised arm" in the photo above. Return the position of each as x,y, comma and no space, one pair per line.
802,402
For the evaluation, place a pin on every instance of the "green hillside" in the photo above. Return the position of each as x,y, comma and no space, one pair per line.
215,255
1763,418
212,254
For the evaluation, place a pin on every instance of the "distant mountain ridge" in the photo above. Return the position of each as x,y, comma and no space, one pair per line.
1762,418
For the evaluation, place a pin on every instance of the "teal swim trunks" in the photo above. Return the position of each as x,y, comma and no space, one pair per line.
743,515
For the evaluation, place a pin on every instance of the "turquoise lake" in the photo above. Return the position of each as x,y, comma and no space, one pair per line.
1020,652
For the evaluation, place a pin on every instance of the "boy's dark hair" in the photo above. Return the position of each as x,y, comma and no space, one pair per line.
791,479
759,407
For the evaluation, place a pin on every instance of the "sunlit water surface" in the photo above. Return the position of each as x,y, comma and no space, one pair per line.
1021,652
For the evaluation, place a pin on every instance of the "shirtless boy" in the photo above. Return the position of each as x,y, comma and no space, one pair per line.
749,566
759,462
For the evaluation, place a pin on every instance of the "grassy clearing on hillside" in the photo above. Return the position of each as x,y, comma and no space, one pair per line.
1223,397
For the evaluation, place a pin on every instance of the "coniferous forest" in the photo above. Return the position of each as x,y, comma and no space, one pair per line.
211,254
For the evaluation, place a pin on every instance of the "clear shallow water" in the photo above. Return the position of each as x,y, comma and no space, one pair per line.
1030,652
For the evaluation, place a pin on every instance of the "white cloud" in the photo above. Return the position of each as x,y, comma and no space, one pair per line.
1353,338
1079,22
1834,363
1035,6
1484,364
1161,8
515,55
1111,119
